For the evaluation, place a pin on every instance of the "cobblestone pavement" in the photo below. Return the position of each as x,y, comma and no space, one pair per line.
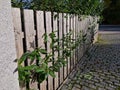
99,69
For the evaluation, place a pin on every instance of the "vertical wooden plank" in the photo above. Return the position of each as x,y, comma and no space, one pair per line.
55,28
48,31
78,31
30,36
85,29
73,34
40,28
89,22
64,33
74,39
29,29
40,32
70,38
72,58
82,45
81,28
86,32
18,31
18,34
60,52
68,29
76,35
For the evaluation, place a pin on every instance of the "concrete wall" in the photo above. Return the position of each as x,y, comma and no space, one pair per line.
8,79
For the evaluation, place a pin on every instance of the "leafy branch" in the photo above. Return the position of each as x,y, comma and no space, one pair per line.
38,67
39,71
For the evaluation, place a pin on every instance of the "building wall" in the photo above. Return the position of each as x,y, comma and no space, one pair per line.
8,79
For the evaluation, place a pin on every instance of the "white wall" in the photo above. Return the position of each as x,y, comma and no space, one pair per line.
8,79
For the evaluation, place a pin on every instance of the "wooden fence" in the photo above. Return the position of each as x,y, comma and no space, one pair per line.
29,26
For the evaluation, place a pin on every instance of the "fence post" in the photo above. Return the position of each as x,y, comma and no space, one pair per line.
9,78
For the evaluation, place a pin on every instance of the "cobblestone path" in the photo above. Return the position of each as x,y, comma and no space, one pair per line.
99,69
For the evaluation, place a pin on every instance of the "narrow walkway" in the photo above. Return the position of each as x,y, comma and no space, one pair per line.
100,68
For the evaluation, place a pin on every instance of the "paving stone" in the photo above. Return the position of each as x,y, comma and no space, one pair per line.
104,84
85,88
92,86
90,82
112,86
101,89
115,81
75,88
117,84
103,62
99,85
109,82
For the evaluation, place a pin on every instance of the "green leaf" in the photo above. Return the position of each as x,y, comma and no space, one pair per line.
52,35
38,70
42,76
48,57
43,51
23,57
52,73
38,57
27,73
31,67
64,63
51,45
32,56
45,36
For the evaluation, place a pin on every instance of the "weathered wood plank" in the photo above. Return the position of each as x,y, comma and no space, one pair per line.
40,28
74,39
40,32
48,31
68,30
29,29
70,38
71,27
55,29
30,37
60,52
79,31
73,58
18,31
77,28
64,33
84,32
18,34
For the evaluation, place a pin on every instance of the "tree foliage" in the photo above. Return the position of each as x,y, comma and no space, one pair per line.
84,7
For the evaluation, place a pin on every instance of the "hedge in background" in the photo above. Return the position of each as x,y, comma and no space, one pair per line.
80,7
